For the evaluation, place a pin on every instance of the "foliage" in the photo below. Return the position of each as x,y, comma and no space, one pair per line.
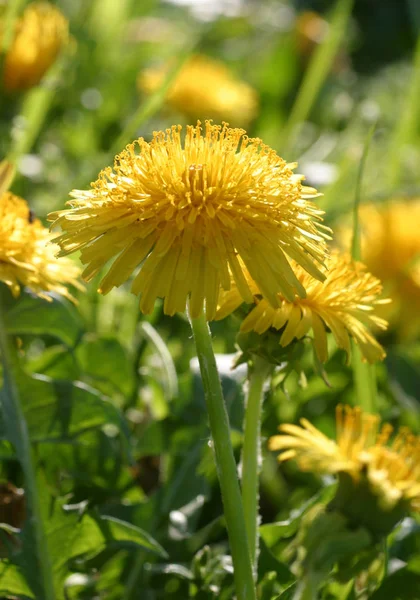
129,504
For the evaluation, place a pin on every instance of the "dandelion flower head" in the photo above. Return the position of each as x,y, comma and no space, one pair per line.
391,250
186,212
362,451
27,258
345,303
40,34
205,88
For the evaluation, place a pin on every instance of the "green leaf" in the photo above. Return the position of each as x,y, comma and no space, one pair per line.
96,533
401,585
12,581
288,593
106,362
55,362
268,563
35,316
274,532
59,410
73,534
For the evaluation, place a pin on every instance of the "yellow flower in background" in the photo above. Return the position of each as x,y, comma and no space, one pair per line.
41,33
27,257
391,250
345,303
310,31
205,88
390,472
185,211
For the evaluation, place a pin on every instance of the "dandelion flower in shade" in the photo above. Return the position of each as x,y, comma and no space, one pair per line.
376,476
186,211
205,88
391,250
40,34
27,257
345,303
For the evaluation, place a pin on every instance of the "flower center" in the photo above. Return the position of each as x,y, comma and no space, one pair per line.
196,177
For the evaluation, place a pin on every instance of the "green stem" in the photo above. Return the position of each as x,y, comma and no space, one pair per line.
13,8
19,436
251,453
153,103
225,460
364,373
307,589
35,108
318,71
405,130
364,381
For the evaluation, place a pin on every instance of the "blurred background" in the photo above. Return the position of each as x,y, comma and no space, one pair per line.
311,78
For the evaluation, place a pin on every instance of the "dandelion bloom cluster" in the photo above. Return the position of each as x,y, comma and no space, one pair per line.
205,88
345,303
27,258
391,250
362,451
186,212
40,34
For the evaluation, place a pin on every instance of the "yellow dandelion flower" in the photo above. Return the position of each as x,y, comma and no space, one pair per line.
40,34
27,258
205,88
345,303
391,250
186,212
361,455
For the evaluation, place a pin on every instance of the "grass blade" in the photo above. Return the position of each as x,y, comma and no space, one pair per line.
364,373
318,70
406,128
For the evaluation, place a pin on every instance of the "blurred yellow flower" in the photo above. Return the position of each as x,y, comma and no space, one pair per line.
389,472
205,88
40,34
27,258
310,31
346,303
185,211
391,250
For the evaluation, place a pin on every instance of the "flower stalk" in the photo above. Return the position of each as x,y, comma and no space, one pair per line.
251,453
225,460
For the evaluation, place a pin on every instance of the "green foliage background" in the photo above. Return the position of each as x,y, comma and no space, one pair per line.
113,404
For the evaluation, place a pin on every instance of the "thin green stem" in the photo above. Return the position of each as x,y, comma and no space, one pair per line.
13,8
251,452
364,373
225,460
34,111
318,71
406,128
356,250
307,589
19,436
152,104
364,381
